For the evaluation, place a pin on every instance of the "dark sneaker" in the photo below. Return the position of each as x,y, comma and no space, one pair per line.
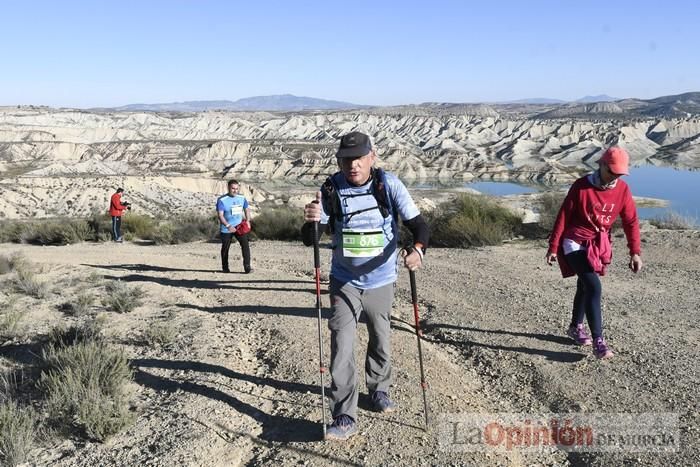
248,270
601,349
382,403
342,429
579,335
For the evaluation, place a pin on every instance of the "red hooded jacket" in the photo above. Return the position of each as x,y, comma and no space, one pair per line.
586,216
115,205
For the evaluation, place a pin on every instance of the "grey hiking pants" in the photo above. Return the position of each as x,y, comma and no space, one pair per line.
347,303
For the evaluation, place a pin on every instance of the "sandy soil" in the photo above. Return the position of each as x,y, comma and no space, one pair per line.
239,386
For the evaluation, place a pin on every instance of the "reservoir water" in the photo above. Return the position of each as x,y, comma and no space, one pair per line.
680,187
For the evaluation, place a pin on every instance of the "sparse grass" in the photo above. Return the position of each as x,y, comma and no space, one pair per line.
26,282
160,334
90,330
673,221
18,432
473,220
93,277
278,224
86,386
5,265
10,318
121,297
12,263
79,306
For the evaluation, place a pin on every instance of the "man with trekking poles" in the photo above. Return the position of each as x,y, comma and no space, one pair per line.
360,207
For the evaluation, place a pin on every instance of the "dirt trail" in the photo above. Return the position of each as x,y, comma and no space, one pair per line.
240,384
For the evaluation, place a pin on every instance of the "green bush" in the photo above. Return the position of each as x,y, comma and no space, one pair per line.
47,232
163,235
86,386
11,231
139,225
186,228
192,227
18,432
472,220
101,225
122,298
278,224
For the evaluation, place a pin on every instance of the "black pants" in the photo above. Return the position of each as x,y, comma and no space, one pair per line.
226,239
588,293
116,227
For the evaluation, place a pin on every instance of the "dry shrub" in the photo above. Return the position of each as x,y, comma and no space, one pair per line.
278,224
18,432
159,334
548,205
10,318
79,306
27,283
673,221
12,263
86,387
122,298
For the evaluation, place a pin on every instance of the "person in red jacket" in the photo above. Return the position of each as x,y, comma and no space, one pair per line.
580,241
116,210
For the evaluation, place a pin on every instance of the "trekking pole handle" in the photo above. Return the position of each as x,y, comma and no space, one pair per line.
412,277
317,258
414,293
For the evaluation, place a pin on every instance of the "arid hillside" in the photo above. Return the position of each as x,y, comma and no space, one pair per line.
67,162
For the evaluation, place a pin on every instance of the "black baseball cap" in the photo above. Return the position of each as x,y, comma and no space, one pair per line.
353,145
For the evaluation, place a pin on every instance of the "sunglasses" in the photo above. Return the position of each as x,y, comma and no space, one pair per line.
612,173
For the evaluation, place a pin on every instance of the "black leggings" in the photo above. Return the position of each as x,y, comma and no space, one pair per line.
226,239
588,293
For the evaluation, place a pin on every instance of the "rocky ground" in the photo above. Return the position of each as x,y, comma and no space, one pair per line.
239,384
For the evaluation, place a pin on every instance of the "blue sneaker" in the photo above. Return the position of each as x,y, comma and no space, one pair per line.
342,429
382,403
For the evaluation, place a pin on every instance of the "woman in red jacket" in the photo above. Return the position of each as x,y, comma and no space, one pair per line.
581,240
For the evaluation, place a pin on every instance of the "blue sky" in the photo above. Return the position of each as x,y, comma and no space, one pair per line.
110,53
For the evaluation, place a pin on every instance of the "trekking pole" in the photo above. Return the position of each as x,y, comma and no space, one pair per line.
419,334
322,369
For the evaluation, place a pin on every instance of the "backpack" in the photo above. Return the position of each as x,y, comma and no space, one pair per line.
331,199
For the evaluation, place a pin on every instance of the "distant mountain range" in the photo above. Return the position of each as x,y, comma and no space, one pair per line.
600,106
546,100
275,103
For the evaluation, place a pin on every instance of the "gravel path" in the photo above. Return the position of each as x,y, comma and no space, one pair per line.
239,386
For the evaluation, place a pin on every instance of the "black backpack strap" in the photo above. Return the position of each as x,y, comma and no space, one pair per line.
331,201
381,194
